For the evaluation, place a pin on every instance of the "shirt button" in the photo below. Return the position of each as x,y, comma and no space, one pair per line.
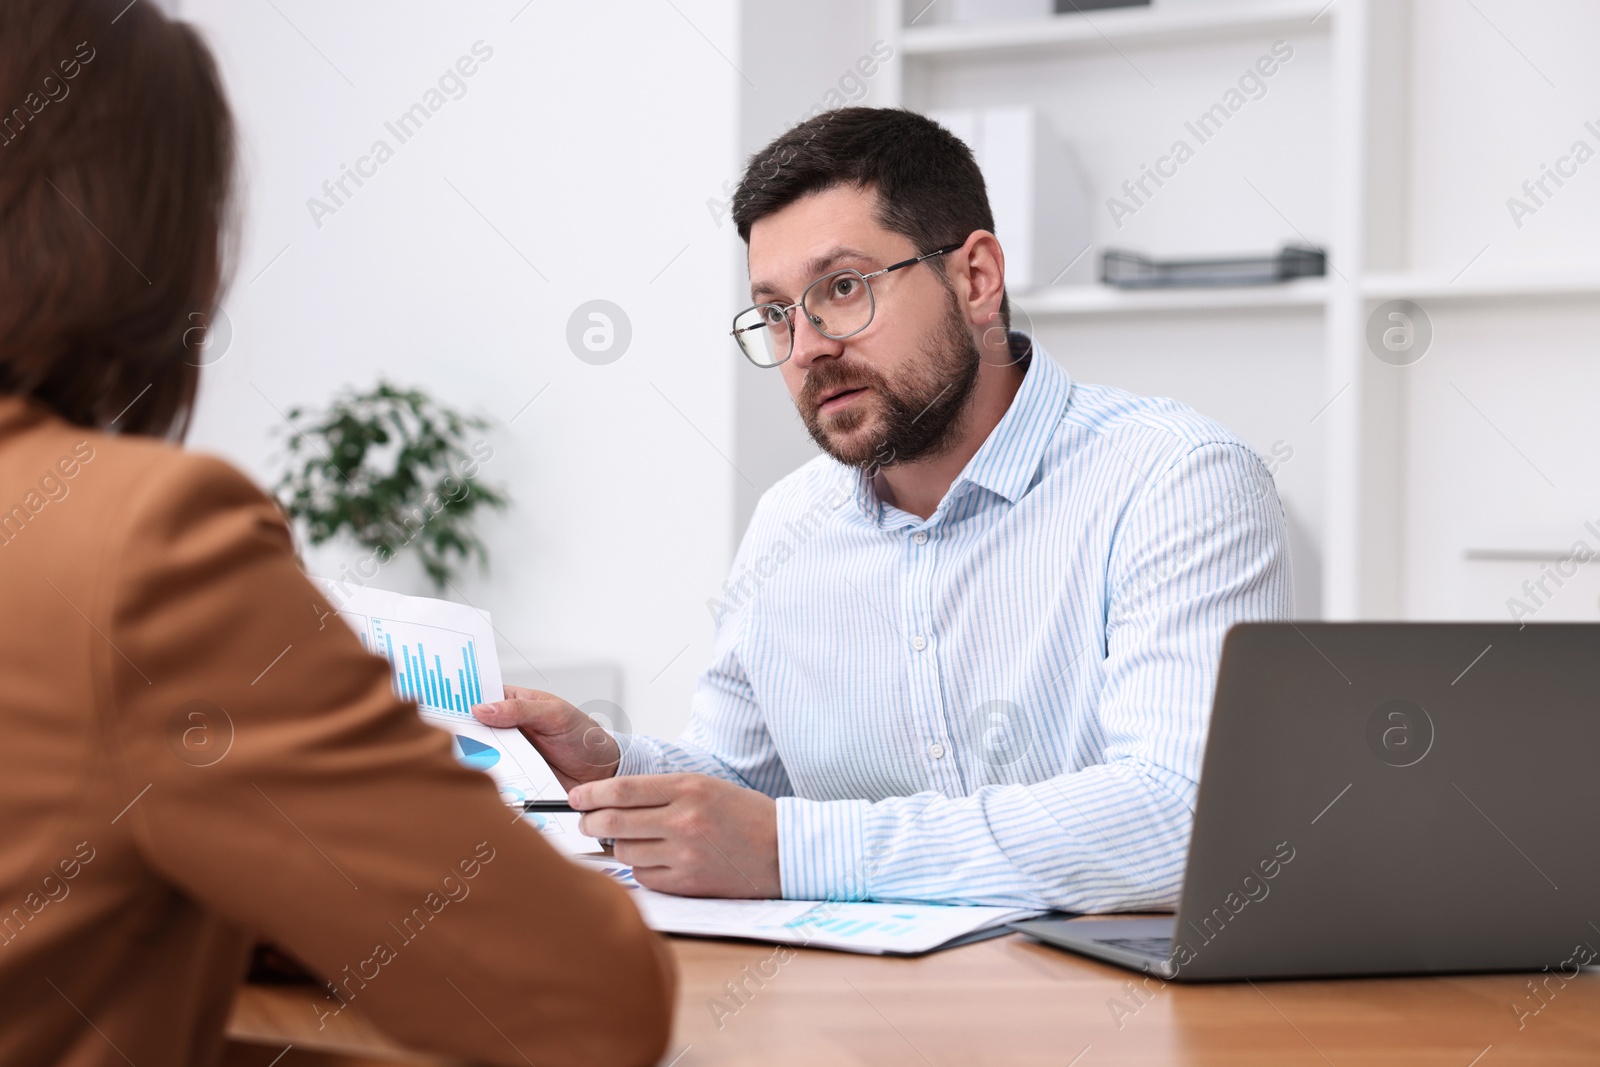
920,537
936,750
919,642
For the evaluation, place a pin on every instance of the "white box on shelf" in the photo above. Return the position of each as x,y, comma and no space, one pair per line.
1040,205
999,10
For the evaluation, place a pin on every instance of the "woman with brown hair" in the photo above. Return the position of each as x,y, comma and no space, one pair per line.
189,757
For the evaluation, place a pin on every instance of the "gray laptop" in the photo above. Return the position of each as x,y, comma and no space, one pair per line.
1385,798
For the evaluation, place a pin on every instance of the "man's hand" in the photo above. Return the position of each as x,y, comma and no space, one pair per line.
689,834
576,747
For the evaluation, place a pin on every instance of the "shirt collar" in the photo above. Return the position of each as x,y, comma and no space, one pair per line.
1009,458
1006,462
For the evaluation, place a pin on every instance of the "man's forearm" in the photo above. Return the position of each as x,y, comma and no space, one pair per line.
1100,839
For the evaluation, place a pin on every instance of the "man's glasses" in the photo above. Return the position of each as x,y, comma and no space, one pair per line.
837,305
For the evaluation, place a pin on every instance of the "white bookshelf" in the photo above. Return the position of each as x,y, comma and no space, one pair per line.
1392,139
1372,148
1142,71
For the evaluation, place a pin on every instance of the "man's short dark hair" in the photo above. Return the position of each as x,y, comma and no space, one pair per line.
928,185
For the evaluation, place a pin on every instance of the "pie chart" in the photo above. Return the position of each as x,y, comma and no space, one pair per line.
476,754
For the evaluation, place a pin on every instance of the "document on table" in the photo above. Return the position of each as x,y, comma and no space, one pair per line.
442,655
866,927
561,833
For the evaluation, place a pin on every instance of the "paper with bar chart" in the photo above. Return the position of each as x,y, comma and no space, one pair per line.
867,927
442,655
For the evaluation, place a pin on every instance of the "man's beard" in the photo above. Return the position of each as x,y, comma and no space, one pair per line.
921,416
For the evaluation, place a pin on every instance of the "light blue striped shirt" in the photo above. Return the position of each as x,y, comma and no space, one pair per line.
1006,703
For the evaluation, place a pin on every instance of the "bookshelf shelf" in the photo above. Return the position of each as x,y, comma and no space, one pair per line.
1420,286
1102,300
1137,26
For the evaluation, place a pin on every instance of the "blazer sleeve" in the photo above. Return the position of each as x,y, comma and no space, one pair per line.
290,790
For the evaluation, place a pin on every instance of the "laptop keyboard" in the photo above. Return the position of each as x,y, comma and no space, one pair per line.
1155,947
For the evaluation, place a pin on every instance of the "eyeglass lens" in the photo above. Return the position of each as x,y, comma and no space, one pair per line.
838,305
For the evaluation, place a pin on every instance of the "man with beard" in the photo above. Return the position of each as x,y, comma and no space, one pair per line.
968,653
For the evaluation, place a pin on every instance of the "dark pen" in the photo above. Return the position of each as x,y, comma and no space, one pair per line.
547,807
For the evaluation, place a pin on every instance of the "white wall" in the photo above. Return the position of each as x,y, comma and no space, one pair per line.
794,65
590,141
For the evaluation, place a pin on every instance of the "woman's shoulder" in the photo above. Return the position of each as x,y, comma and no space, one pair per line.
70,485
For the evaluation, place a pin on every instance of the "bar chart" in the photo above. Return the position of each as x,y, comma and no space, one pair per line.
895,925
436,667
442,655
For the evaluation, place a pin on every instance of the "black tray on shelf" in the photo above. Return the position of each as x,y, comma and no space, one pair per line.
1073,7
1129,270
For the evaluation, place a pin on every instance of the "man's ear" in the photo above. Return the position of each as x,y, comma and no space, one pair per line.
978,269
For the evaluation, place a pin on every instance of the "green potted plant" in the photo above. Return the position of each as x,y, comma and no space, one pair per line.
395,471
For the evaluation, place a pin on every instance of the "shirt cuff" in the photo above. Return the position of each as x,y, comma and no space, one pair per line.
823,852
639,755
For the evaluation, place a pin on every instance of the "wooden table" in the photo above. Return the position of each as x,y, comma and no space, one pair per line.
1015,1002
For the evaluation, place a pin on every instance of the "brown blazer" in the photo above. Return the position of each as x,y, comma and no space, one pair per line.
194,752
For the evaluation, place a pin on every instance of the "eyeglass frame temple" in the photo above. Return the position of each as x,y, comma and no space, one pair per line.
912,262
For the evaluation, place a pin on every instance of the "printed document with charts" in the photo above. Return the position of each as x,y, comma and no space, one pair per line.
442,655
866,927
